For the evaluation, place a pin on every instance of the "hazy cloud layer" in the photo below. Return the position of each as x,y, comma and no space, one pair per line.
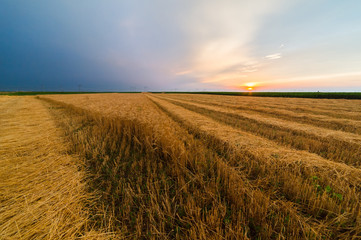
183,45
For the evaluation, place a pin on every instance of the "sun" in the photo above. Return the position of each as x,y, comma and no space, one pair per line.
250,86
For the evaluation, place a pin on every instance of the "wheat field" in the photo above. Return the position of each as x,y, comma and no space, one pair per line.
179,166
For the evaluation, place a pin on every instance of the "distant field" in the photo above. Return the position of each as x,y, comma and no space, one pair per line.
196,166
327,95
40,93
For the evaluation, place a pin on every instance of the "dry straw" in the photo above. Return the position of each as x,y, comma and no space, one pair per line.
166,172
42,193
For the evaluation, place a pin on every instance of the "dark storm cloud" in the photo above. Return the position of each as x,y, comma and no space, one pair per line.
39,50
61,44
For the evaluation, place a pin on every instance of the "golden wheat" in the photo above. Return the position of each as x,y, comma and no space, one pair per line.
336,145
201,167
315,184
345,124
42,193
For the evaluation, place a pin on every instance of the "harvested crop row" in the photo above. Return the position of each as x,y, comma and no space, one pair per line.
42,193
336,105
335,145
197,195
314,108
128,106
335,113
292,173
346,125
349,106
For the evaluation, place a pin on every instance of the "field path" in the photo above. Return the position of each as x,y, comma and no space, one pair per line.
42,193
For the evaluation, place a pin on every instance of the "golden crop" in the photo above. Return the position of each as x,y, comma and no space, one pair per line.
179,166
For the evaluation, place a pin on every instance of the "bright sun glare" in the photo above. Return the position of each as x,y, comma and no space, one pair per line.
250,86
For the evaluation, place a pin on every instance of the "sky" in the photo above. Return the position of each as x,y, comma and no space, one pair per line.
180,45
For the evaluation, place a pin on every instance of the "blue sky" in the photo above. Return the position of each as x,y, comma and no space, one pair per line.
112,45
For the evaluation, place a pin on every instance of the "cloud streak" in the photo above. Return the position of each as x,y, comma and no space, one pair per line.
219,42
274,56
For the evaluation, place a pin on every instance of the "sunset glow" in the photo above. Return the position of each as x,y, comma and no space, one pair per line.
205,45
250,86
